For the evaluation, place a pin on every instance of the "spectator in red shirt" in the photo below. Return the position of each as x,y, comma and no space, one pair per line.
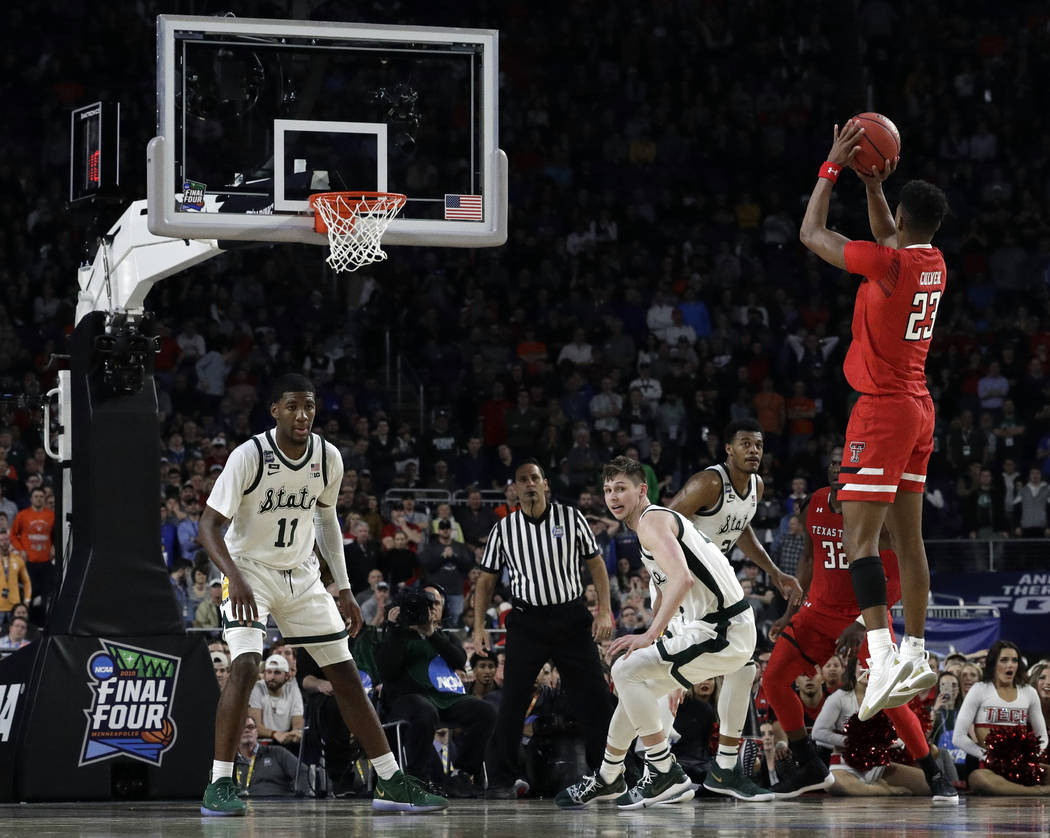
801,410
510,504
397,524
531,349
811,693
493,414
219,453
168,354
771,413
31,536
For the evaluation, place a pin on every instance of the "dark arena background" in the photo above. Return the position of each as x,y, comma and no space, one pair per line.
660,158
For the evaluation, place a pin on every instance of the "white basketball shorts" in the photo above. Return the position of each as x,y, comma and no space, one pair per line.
304,612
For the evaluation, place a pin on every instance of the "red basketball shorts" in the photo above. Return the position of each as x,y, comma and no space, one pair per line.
805,645
889,440
807,641
810,639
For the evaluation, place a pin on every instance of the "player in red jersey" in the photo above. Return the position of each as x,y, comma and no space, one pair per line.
824,624
890,433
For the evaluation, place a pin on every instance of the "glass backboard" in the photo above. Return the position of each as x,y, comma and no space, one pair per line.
254,116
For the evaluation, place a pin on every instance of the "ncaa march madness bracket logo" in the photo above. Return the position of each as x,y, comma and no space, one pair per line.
131,704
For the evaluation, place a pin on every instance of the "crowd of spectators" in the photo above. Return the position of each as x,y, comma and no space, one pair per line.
652,288
441,753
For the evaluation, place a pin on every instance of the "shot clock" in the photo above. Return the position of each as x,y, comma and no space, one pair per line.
94,151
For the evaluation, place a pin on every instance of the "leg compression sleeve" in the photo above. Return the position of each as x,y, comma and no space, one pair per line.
734,700
869,581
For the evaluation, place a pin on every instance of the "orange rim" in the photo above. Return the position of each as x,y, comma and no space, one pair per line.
350,204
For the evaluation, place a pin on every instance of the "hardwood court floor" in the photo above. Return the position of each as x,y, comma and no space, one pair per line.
819,817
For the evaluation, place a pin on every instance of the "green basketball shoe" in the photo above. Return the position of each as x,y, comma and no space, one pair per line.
591,789
221,800
404,793
732,783
655,787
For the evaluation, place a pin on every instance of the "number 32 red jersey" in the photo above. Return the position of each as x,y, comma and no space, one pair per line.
893,316
831,590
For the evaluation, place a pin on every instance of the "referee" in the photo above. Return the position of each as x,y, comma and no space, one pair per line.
543,545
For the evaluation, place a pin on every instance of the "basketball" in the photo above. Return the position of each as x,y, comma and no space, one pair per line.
881,141
162,736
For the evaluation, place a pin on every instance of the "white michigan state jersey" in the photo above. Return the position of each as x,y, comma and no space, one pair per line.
725,522
271,499
716,586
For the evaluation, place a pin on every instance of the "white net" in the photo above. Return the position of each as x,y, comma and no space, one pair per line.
356,224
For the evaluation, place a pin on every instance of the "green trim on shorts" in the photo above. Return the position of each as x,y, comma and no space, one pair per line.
690,653
316,638
239,624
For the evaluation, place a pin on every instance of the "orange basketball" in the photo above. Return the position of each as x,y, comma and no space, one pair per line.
162,736
881,141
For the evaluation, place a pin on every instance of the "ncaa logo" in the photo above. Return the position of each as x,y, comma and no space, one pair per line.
102,667
131,698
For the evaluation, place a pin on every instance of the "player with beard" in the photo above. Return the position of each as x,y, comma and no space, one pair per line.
722,499
827,622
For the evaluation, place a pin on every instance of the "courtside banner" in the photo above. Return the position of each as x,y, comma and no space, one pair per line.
963,635
1022,597
131,696
109,718
16,672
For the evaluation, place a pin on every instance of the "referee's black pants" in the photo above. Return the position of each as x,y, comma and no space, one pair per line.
535,634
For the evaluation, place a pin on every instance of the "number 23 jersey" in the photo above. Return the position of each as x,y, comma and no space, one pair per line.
271,499
831,589
893,316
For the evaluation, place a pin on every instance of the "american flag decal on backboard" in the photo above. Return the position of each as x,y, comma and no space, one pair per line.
462,207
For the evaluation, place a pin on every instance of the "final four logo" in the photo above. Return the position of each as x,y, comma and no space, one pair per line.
131,706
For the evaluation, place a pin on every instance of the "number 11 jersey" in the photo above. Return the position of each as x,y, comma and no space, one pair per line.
893,316
271,499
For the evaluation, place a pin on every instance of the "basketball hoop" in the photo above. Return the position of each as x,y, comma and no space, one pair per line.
355,223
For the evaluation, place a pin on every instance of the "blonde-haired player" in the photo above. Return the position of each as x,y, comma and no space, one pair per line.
703,627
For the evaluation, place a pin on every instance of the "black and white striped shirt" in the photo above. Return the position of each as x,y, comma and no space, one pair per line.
543,555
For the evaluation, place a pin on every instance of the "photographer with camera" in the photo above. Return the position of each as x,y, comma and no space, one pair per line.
418,662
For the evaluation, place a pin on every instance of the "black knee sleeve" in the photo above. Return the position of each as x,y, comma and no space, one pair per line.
869,581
